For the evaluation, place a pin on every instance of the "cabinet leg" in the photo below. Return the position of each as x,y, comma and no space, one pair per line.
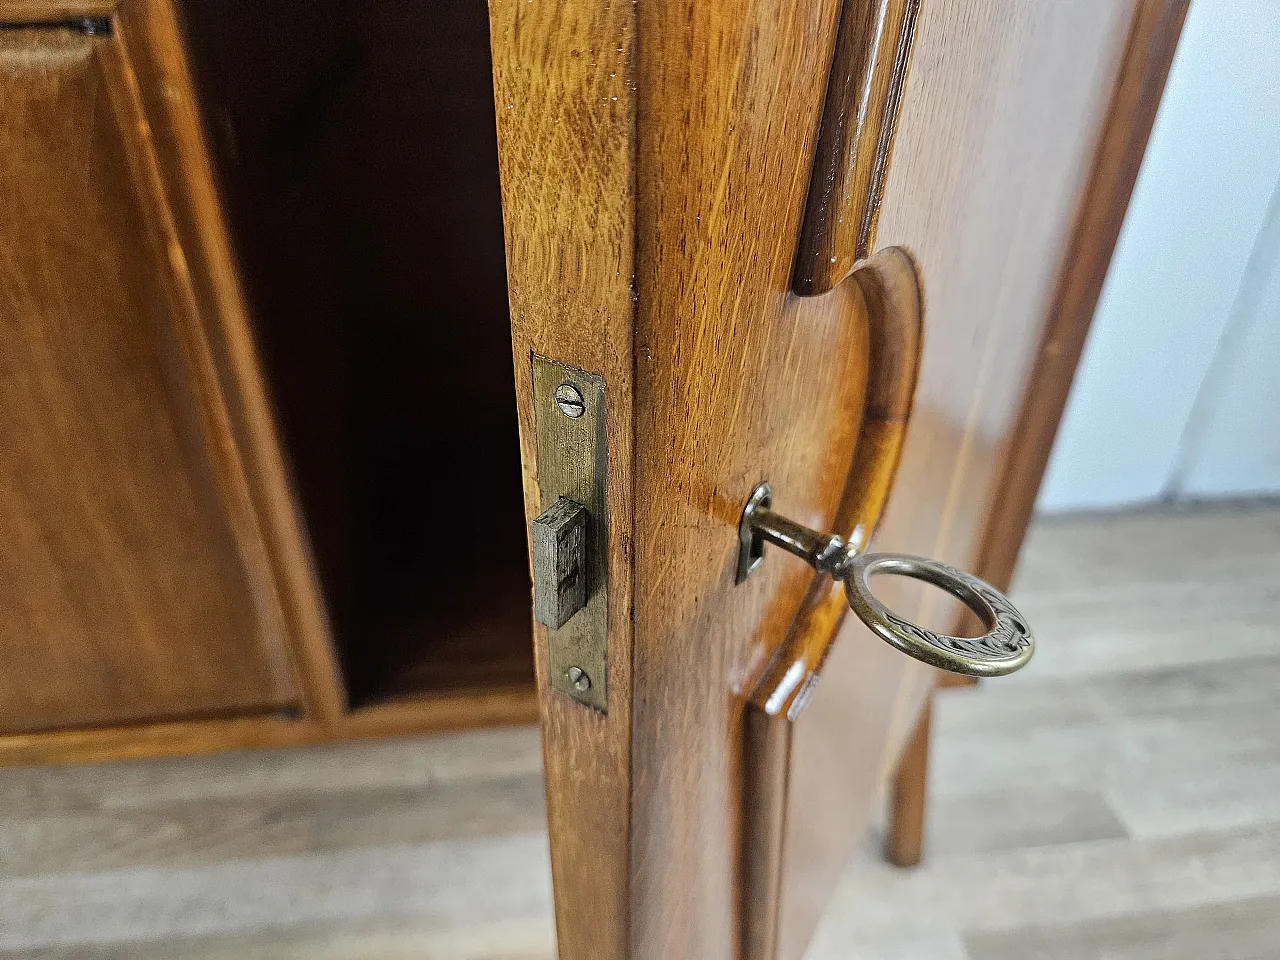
904,841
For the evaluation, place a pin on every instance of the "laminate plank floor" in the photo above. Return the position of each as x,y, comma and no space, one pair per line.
1119,799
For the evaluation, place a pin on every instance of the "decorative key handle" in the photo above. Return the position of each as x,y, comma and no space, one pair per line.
1006,646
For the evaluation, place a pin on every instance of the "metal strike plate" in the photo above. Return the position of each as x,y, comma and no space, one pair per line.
569,421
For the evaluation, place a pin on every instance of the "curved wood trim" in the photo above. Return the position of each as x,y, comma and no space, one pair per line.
868,73
890,287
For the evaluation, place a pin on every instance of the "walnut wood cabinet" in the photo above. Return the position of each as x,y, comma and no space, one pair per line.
275,279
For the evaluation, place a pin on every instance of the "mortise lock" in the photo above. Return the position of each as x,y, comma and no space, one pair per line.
570,538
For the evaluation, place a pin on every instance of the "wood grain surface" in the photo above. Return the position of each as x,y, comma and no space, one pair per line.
736,382
429,665
653,191
1002,119
456,652
564,92
494,706
982,193
1152,41
1097,227
134,584
221,336
48,11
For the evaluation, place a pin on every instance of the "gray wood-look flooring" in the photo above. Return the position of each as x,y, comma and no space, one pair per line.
1118,799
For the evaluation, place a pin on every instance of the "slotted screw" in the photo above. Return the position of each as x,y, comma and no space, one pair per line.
570,402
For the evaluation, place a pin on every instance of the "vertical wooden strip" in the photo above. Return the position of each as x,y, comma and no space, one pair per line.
766,767
904,838
564,93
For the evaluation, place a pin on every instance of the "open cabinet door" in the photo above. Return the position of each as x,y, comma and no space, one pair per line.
804,243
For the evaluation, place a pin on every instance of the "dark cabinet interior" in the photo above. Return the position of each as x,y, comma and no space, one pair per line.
358,160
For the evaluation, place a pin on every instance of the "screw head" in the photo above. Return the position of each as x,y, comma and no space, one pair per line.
578,677
569,400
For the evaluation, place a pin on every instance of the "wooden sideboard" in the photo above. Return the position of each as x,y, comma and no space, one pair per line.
269,466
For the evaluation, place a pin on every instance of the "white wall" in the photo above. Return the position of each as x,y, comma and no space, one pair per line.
1177,392
1232,443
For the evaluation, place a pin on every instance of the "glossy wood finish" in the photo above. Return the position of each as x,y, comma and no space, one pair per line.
564,90
443,652
52,11
134,582
655,165
582,173
704,158
893,311
997,139
736,382
868,73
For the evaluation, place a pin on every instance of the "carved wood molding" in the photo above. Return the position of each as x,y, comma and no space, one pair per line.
890,291
868,74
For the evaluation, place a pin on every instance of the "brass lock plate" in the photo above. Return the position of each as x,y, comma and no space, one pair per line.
571,545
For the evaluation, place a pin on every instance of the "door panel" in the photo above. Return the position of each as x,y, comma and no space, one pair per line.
1002,131
656,160
132,587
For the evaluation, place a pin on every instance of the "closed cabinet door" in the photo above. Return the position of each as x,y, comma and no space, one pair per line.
847,249
136,576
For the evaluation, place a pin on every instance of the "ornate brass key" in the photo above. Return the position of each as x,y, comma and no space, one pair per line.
1006,646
